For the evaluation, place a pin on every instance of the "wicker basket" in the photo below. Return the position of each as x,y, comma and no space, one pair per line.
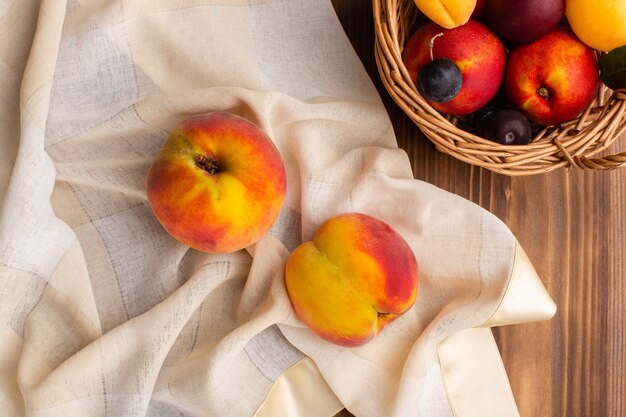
571,144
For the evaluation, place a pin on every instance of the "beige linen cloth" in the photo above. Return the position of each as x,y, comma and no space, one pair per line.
102,313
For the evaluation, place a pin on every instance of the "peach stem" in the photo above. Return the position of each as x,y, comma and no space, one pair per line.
207,164
544,93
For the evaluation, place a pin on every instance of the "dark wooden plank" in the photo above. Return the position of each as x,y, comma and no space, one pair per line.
572,226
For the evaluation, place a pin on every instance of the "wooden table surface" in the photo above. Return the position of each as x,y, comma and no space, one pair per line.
571,225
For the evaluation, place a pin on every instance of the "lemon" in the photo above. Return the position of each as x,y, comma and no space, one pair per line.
600,24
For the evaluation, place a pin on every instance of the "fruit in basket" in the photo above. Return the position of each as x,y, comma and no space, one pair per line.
353,278
504,126
600,24
475,49
479,10
613,68
217,184
440,80
523,21
553,79
447,13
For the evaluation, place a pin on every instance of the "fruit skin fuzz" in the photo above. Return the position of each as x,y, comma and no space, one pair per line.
218,184
353,278
475,49
553,79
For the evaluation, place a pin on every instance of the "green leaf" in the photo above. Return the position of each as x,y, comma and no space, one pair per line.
613,68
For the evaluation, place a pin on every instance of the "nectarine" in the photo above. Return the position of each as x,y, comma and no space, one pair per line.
553,79
476,50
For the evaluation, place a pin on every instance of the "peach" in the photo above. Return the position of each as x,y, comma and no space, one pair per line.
354,277
447,13
218,184
553,79
476,50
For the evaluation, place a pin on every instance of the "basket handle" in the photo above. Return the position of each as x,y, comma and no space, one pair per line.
604,163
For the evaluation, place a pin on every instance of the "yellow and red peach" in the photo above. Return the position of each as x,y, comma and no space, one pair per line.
218,184
354,277
553,79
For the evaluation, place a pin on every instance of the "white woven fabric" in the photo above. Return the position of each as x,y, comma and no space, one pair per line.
102,313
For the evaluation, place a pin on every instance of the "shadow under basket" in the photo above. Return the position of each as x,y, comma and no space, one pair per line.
571,144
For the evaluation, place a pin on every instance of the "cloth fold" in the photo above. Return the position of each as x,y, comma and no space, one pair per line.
472,373
102,313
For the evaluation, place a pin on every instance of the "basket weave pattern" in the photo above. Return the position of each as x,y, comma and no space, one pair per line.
570,144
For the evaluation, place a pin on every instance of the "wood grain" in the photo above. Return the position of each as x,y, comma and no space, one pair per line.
572,225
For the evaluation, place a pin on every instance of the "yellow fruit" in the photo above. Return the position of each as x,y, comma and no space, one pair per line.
600,24
447,13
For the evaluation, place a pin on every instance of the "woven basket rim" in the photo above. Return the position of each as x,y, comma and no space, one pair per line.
570,144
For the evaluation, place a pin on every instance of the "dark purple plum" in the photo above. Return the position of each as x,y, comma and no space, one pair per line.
440,80
524,21
505,126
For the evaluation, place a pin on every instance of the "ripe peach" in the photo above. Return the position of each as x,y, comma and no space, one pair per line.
476,50
447,13
218,183
353,278
553,79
